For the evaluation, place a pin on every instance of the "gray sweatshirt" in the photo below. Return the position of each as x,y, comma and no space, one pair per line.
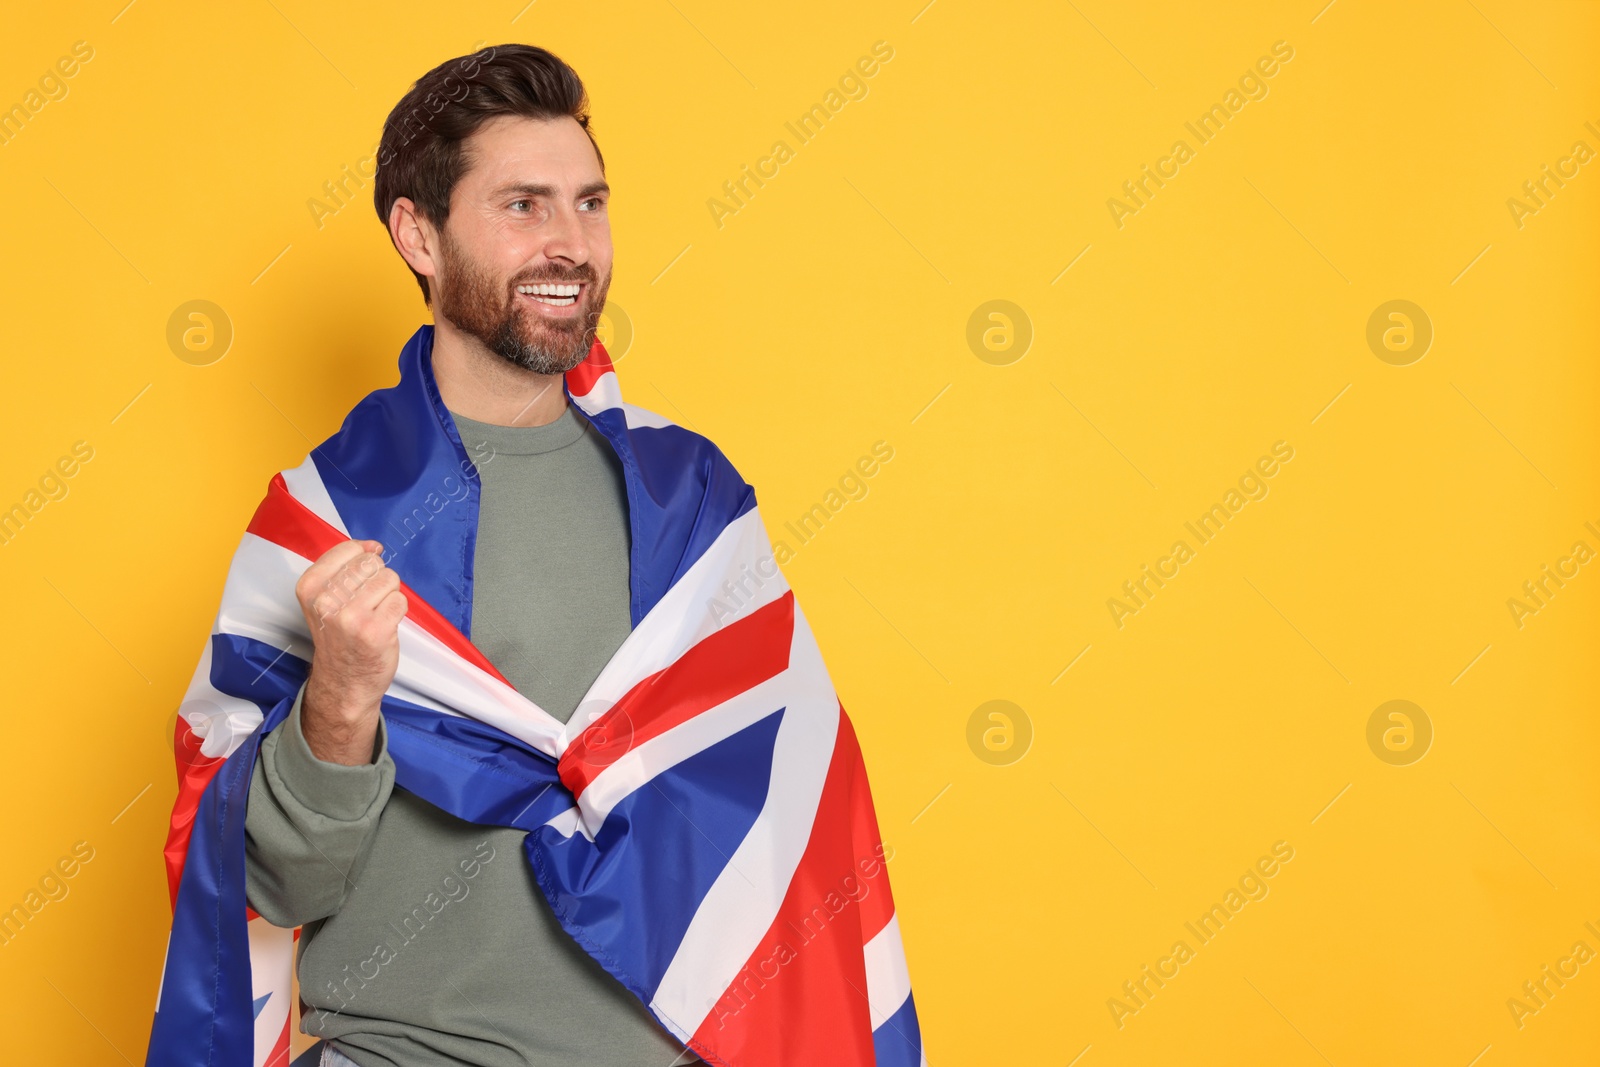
426,941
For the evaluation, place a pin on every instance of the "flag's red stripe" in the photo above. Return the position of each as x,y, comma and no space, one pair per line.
877,905
194,774
279,1056
582,378
286,522
723,665
809,965
289,524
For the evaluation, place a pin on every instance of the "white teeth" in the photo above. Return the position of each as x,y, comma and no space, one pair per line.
548,289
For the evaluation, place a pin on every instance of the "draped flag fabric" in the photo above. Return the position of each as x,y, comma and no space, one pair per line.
702,826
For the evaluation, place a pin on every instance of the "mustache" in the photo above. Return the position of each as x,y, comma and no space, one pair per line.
584,277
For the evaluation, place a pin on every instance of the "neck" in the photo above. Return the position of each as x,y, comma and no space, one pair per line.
478,384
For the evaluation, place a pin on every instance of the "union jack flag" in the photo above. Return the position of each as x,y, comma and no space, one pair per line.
702,825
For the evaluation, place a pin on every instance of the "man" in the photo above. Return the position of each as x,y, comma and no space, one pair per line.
494,193
507,707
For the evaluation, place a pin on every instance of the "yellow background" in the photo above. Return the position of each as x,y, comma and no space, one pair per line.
1230,713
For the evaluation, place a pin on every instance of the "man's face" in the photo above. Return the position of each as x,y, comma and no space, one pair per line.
530,212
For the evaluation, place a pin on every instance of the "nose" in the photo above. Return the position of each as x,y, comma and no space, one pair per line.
564,238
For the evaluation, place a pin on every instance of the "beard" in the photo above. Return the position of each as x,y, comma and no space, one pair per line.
479,304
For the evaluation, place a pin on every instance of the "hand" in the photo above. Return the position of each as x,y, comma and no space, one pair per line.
353,606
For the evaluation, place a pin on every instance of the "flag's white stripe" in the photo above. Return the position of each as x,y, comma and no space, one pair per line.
431,671
271,960
569,822
253,605
306,485
888,979
604,393
161,986
694,608
221,720
642,762
258,598
639,417
743,902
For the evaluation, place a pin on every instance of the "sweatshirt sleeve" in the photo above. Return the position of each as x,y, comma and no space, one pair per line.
309,823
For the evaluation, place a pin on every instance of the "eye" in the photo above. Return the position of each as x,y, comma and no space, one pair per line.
598,203
524,200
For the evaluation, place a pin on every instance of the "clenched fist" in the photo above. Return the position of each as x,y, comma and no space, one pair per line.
353,606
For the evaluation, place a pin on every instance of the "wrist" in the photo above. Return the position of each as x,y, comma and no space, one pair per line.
338,730
332,706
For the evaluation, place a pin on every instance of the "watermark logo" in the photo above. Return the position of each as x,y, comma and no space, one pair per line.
606,735
199,332
615,331
999,733
1399,733
205,718
187,744
999,332
1399,333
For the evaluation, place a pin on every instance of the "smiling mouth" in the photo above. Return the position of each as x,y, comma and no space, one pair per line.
553,294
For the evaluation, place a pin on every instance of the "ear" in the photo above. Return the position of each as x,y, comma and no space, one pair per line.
414,238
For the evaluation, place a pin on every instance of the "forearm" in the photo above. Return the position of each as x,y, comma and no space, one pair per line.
309,823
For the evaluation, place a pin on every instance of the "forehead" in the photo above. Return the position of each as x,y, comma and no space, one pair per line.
511,148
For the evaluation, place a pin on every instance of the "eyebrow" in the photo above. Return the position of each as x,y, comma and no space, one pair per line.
536,189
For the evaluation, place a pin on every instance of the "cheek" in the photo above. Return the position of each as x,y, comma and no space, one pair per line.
600,251
490,253
509,256
600,264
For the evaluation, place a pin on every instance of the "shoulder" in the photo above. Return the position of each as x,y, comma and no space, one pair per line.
669,456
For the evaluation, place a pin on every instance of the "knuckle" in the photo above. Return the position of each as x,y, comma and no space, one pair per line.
337,550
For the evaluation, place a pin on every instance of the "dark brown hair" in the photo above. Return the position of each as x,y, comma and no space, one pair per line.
421,155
